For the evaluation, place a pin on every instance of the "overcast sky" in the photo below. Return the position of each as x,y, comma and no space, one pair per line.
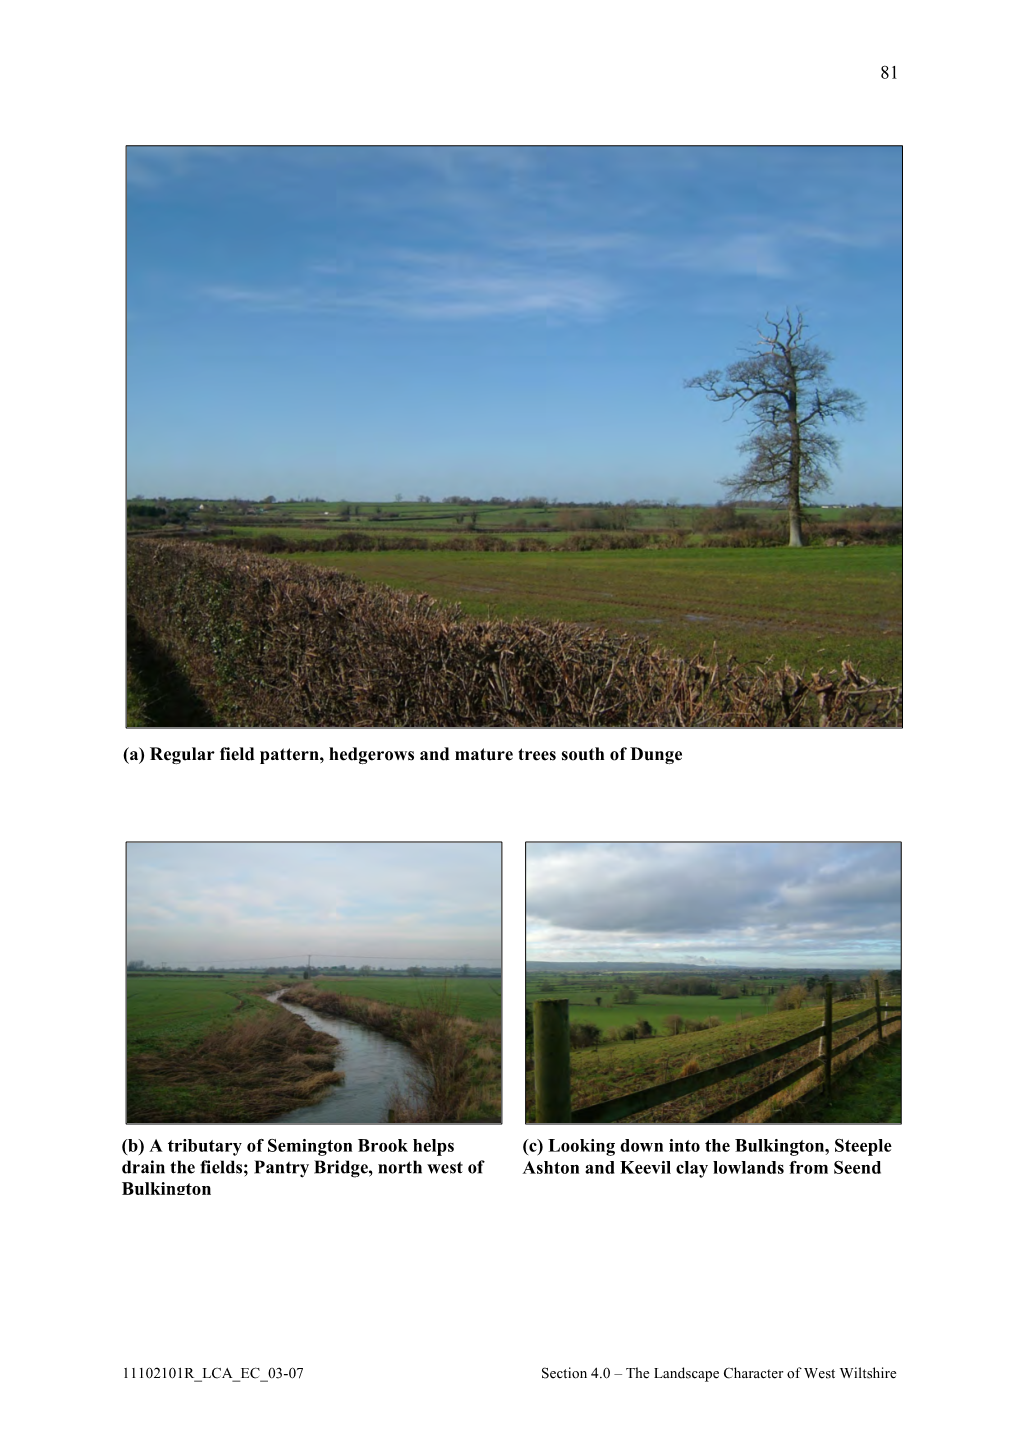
386,904
815,904
351,321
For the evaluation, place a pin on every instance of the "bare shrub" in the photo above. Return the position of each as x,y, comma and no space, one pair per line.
791,998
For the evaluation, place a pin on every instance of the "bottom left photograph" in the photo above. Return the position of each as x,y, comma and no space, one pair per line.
314,982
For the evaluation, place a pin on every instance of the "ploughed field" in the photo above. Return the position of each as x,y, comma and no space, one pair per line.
812,608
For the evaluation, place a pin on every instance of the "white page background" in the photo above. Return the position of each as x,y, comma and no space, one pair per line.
428,1306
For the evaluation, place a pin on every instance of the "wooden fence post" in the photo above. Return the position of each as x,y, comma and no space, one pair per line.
878,1010
552,1061
828,1040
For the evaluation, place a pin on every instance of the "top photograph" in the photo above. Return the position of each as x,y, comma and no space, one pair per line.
498,436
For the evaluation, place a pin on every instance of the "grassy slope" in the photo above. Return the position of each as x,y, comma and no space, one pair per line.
626,1067
869,1090
813,608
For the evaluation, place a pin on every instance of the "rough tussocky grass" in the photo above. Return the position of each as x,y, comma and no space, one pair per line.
211,1050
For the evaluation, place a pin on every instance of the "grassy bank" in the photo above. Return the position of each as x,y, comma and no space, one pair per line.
458,1060
869,1090
211,1050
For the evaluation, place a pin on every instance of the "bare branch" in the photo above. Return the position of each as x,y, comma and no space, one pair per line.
783,384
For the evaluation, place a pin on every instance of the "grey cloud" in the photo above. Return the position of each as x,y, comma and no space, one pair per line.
741,892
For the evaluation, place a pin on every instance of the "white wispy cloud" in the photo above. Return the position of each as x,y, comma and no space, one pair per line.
444,287
613,242
150,166
757,253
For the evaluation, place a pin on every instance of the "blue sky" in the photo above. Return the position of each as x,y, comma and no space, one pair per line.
802,904
386,904
358,322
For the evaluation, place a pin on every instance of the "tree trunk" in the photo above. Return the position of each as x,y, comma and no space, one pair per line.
796,538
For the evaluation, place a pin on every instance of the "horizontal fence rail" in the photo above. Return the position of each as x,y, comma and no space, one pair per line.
552,1066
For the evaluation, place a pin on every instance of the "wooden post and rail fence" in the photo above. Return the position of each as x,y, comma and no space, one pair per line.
552,1066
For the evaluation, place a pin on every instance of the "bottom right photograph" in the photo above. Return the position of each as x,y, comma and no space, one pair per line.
714,981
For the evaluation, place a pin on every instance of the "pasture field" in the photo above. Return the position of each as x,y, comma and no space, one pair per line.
176,1008
624,1067
653,1007
475,997
812,608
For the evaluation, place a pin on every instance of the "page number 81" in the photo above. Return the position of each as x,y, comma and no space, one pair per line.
888,72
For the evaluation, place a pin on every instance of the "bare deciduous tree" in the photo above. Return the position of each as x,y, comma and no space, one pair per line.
784,381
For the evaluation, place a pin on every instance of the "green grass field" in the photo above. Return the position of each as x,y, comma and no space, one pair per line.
651,1006
476,997
182,1008
812,608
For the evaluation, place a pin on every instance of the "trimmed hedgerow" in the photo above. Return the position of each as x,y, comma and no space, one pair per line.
266,642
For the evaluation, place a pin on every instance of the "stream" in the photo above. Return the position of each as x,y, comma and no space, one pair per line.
374,1066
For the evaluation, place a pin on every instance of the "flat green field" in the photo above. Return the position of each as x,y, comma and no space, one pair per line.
649,1005
476,997
813,607
181,1008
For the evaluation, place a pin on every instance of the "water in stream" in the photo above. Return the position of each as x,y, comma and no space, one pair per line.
373,1065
